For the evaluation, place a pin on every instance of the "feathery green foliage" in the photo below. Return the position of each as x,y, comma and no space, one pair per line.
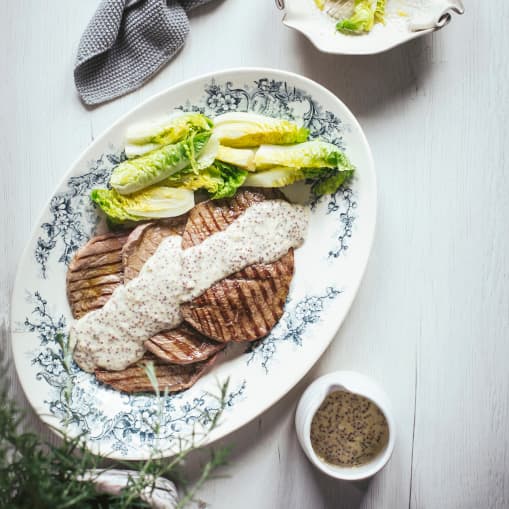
34,474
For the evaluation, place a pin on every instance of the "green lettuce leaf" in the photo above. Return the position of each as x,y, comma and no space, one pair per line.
250,130
380,11
362,19
221,180
312,154
153,202
329,181
323,180
136,174
145,137
209,153
240,157
275,177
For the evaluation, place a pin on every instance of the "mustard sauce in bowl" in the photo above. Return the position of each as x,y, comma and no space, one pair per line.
348,430
345,425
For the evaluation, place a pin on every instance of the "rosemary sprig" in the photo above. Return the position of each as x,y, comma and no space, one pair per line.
34,474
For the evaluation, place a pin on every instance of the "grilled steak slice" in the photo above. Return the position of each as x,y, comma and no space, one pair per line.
170,377
244,306
210,216
95,271
182,345
143,242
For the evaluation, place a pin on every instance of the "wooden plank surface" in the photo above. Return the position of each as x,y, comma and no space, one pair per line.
431,319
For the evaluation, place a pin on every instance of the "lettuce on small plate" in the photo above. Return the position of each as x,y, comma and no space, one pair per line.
366,27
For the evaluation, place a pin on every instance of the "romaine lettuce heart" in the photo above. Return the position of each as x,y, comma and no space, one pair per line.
275,177
311,154
136,174
323,180
144,137
154,202
208,154
242,130
221,180
241,157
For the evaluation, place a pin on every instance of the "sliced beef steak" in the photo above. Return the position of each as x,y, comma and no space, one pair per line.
170,377
213,216
182,345
95,271
143,242
244,306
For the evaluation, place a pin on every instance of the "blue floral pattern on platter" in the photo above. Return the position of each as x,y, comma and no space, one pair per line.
72,212
291,326
275,99
84,410
343,203
127,426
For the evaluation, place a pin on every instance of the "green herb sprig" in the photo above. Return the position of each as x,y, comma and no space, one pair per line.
36,474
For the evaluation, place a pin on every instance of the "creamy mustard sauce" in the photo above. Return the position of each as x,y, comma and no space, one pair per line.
112,337
348,430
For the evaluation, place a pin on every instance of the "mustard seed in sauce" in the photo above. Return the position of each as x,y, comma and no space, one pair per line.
112,337
348,430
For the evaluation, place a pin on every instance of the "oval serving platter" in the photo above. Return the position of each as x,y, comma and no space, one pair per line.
328,270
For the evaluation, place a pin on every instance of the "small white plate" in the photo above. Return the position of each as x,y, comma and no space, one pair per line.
405,20
328,270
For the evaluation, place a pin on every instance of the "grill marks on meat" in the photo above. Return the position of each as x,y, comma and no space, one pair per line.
170,377
211,217
246,305
143,242
94,273
181,356
242,307
182,345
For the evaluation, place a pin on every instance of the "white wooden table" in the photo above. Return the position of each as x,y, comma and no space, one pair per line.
431,320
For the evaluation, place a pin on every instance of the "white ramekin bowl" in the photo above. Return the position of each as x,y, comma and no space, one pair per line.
313,397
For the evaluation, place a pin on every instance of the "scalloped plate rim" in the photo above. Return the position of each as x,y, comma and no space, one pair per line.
297,17
383,49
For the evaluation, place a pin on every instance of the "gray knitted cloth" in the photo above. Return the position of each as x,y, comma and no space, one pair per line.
126,42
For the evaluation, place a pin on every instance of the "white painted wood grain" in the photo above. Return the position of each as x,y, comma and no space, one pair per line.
431,318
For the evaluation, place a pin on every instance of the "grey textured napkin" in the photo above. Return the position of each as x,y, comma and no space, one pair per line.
126,42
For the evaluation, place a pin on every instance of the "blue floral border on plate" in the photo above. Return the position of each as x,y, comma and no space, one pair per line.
73,218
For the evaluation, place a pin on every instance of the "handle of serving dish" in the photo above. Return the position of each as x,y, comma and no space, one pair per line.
449,7
439,15
280,4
